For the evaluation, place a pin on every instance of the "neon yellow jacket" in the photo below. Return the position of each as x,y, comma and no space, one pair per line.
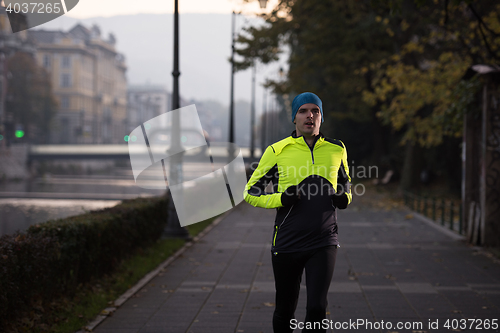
319,172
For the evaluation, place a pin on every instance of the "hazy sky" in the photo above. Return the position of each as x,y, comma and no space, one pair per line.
204,53
94,8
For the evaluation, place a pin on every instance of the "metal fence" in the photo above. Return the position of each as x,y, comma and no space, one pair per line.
448,213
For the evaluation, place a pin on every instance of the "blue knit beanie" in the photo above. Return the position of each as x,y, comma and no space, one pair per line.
305,98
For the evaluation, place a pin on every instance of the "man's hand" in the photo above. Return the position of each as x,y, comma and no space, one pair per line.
340,200
290,196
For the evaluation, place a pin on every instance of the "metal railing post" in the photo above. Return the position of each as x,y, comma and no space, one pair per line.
425,206
434,209
442,211
460,219
451,215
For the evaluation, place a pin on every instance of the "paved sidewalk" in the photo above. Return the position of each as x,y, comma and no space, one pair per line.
390,267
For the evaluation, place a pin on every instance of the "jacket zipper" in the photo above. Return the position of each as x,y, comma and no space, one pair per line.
275,234
276,231
311,149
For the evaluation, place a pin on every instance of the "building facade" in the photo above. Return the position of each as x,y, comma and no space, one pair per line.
89,82
10,44
144,103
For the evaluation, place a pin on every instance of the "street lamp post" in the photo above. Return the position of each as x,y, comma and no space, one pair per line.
231,103
252,116
264,122
262,4
173,228
3,135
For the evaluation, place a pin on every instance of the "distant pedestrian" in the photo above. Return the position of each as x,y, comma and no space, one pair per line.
310,177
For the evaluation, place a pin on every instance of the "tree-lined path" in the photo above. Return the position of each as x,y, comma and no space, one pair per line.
391,267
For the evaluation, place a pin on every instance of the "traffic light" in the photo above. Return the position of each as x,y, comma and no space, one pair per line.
19,133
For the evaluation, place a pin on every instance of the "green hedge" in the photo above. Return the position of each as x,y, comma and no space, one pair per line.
53,258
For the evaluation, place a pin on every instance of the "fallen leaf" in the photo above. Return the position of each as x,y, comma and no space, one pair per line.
107,312
43,327
39,307
269,304
20,237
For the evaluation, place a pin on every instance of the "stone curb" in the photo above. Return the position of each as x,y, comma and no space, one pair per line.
452,234
71,196
455,236
148,277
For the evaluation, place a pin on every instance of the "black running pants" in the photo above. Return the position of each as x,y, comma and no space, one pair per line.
288,267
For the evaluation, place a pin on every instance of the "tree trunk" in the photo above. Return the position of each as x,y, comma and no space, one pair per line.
411,167
379,149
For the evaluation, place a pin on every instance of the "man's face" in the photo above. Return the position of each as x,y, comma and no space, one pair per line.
308,120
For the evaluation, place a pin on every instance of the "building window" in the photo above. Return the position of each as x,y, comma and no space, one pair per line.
65,80
65,130
64,102
66,61
46,61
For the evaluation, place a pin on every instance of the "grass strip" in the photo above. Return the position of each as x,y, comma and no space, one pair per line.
70,315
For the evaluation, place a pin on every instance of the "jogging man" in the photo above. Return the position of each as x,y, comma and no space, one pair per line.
310,179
